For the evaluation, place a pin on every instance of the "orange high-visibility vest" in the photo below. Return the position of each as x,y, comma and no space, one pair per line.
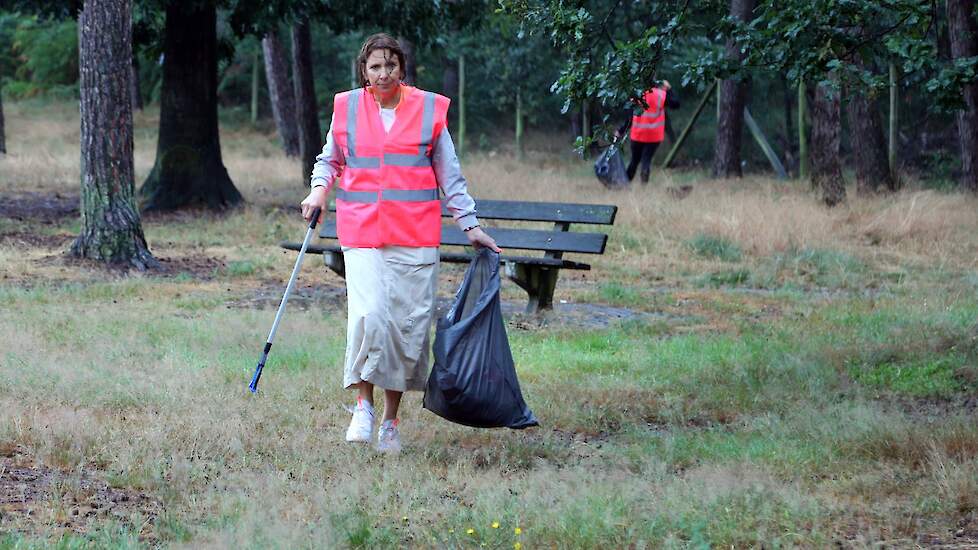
388,194
650,126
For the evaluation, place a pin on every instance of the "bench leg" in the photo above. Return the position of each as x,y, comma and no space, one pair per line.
538,281
335,262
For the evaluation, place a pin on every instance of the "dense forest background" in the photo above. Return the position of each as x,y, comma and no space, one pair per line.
39,58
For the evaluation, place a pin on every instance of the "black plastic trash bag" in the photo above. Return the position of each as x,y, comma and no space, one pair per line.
610,168
473,381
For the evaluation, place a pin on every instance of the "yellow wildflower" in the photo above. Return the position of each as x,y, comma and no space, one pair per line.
517,546
518,531
470,531
495,525
404,518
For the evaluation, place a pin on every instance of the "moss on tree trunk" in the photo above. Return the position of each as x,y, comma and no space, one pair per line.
111,229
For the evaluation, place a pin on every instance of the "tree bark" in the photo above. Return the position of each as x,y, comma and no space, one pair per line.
733,99
111,229
869,146
307,118
3,139
789,130
189,170
280,92
826,169
449,79
134,92
963,31
410,61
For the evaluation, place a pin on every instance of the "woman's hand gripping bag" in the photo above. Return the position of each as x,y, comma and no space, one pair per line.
473,381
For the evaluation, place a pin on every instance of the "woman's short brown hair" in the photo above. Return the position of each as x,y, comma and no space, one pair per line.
379,41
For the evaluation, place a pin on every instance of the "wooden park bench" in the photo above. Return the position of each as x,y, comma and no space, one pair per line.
537,275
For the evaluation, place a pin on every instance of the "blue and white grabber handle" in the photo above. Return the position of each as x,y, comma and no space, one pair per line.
285,299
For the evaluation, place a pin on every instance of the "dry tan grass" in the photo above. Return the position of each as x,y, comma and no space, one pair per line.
762,216
142,379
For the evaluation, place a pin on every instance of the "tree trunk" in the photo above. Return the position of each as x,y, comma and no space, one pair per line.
449,79
825,166
803,158
460,141
789,130
869,145
733,98
3,140
280,93
111,229
410,62
255,78
963,30
307,119
189,170
134,92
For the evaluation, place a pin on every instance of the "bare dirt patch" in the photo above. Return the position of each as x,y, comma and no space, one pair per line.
47,208
39,500
23,239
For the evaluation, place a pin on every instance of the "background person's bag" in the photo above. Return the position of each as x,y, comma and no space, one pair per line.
610,168
473,381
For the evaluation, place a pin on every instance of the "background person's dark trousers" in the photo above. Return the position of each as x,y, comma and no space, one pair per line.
643,151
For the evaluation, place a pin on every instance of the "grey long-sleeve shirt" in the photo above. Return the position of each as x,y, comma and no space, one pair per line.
448,173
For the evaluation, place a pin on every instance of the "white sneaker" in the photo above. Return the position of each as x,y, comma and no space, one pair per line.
389,438
362,424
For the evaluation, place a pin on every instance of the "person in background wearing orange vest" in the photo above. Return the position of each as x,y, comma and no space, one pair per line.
649,128
389,149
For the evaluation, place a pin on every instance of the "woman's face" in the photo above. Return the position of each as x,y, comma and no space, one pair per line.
382,69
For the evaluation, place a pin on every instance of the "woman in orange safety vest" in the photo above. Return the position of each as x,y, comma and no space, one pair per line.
648,128
390,155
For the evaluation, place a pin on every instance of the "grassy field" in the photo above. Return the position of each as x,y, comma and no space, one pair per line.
773,373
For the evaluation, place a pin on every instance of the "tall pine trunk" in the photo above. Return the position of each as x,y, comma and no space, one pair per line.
733,99
963,30
111,230
410,61
134,92
3,140
826,170
280,92
307,118
869,152
189,170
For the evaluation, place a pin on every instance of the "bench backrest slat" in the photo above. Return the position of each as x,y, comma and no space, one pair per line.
525,239
603,214
544,211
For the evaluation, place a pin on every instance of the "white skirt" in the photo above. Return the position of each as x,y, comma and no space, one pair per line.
391,298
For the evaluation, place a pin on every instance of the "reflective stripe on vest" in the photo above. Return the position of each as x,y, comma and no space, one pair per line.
404,195
391,159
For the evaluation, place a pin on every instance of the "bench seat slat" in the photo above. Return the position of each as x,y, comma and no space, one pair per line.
603,214
526,239
456,257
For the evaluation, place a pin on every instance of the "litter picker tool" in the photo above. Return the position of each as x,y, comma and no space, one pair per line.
285,299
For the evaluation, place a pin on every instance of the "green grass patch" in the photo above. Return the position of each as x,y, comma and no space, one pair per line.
712,246
726,277
619,294
811,267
